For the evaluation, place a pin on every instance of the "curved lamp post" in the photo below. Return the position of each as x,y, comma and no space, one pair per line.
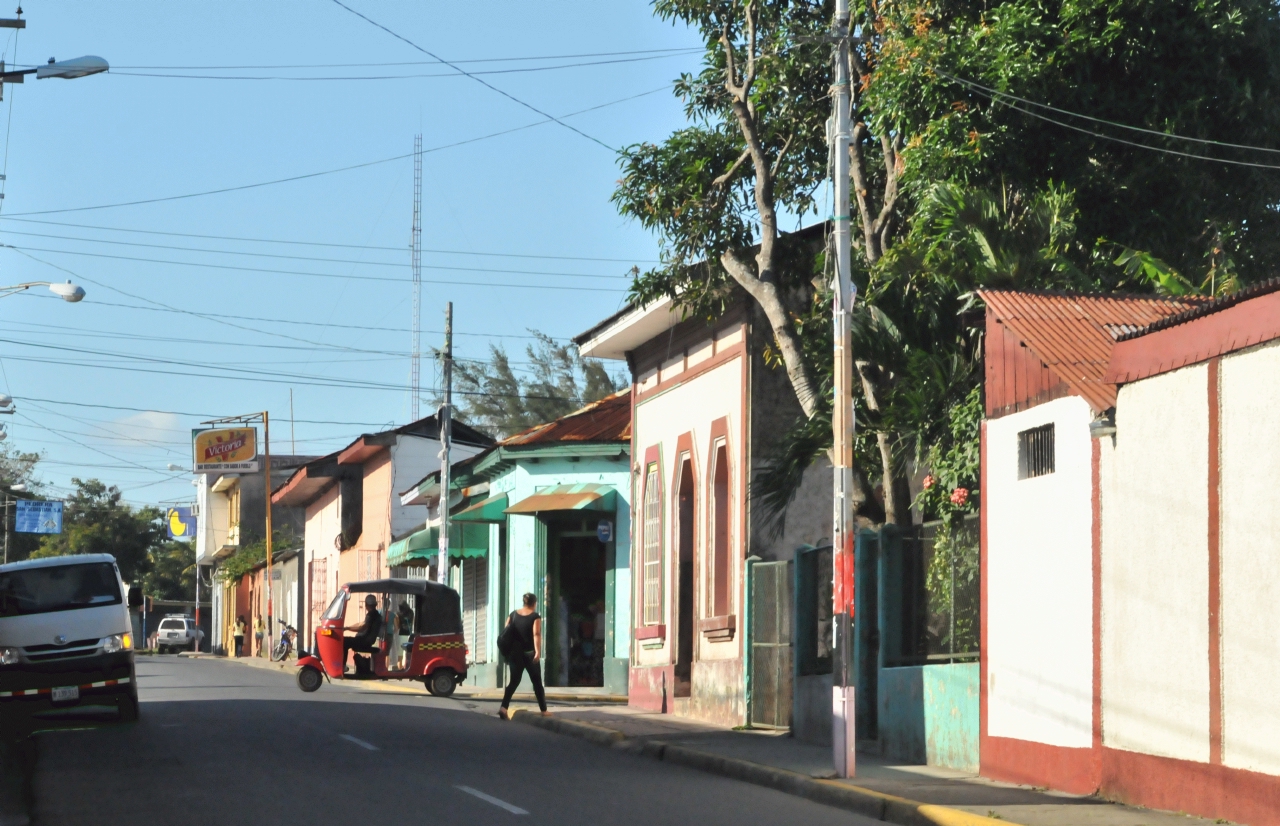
64,290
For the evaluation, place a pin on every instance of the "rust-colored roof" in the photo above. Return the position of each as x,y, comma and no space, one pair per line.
606,420
1073,334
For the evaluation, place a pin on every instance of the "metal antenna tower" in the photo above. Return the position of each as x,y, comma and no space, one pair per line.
415,353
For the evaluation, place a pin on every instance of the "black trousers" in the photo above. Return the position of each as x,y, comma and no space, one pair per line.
521,663
357,644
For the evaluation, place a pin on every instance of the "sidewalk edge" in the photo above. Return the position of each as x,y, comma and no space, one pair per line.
868,803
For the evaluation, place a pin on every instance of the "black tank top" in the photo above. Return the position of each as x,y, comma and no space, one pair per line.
523,626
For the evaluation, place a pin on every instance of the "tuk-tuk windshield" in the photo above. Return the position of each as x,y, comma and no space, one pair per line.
337,609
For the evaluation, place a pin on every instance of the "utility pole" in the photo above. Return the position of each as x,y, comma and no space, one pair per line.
844,708
415,349
446,426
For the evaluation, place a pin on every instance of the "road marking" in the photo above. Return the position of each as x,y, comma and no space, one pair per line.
501,804
362,744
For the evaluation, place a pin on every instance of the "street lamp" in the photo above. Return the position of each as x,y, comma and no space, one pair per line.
65,290
172,466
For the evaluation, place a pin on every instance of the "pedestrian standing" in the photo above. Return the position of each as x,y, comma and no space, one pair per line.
258,630
525,654
239,635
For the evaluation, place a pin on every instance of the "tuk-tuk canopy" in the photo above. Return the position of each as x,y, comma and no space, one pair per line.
439,609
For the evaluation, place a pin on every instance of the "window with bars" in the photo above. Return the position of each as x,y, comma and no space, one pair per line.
1035,452
652,545
718,596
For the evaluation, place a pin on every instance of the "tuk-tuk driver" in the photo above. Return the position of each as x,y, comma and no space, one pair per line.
366,632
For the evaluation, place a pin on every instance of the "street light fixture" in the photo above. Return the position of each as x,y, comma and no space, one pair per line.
172,466
65,290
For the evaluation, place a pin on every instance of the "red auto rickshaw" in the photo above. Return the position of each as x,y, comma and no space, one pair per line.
421,637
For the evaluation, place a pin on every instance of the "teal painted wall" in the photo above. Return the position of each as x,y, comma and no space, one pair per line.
524,542
929,714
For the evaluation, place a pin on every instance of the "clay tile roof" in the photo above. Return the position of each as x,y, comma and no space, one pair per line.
1073,334
606,420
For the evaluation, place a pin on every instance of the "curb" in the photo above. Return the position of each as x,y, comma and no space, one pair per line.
884,807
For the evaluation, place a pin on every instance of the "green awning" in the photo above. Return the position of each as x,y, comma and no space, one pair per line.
586,496
486,510
465,541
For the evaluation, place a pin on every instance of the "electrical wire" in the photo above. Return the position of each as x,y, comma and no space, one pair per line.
324,243
473,75
484,83
393,264
8,124
408,62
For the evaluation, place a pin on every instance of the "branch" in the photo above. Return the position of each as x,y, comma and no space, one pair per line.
777,162
857,170
733,170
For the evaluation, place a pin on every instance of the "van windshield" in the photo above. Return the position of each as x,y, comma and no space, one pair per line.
58,588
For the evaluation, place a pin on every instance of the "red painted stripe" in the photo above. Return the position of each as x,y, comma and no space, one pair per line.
1215,568
1202,789
1038,764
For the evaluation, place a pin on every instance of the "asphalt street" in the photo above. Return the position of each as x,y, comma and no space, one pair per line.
222,743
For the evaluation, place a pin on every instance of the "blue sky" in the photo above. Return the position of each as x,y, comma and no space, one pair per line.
535,201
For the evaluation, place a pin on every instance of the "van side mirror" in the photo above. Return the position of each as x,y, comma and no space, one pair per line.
135,596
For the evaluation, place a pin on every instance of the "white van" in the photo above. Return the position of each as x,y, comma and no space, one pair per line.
65,643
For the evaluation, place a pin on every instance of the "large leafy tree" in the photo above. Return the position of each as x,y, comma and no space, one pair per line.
493,396
96,520
961,176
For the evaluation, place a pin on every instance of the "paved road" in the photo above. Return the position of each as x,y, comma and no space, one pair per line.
222,743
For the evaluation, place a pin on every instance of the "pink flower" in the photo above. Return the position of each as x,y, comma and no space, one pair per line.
959,496
929,482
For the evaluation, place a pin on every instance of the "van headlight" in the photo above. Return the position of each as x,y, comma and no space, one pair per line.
8,656
114,643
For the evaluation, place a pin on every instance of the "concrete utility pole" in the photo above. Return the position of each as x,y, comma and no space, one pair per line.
446,425
844,737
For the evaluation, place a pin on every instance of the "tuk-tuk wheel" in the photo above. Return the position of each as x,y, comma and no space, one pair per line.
442,682
309,678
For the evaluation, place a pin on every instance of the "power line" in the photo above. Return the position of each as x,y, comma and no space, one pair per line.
293,258
484,83
334,275
323,243
413,76
548,119
990,92
412,62
206,414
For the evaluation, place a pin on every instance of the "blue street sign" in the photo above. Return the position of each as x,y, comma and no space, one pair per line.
604,530
34,516
180,522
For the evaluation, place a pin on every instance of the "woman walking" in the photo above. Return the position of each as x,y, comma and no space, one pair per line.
239,635
526,626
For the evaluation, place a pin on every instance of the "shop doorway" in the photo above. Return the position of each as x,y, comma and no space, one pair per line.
684,586
575,610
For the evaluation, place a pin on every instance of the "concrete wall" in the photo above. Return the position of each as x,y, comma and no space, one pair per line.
1155,672
1040,581
1250,451
929,715
323,525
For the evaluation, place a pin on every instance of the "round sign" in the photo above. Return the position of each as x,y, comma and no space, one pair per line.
604,531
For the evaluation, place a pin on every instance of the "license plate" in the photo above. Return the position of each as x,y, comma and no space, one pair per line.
62,695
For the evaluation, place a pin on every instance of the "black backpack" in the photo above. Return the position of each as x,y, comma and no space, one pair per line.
508,641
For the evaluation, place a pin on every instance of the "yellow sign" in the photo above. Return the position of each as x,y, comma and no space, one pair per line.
230,449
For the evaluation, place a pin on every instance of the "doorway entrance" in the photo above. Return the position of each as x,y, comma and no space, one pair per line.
684,587
575,609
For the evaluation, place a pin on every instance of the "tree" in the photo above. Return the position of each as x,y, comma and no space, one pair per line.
491,396
95,520
952,93
171,571
17,467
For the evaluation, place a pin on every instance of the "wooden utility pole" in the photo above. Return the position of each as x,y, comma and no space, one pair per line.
445,421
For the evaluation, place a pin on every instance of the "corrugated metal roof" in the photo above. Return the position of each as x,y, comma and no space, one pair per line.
1073,334
1206,307
606,420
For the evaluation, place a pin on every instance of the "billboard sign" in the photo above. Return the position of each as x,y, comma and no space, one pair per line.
34,516
181,523
226,450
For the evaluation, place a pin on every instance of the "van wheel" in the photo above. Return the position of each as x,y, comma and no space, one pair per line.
128,709
442,682
309,678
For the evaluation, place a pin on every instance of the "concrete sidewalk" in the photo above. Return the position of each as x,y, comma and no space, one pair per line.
934,787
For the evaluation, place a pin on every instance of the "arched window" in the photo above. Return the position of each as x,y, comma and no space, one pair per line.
718,578
652,561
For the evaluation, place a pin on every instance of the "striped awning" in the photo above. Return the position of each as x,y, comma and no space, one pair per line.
465,540
486,510
586,496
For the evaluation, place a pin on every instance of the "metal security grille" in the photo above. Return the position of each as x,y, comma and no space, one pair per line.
652,546
475,607
772,598
319,586
1035,452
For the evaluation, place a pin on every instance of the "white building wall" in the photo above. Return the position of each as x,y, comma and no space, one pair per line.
324,522
1040,581
1155,669
661,420
412,458
1250,558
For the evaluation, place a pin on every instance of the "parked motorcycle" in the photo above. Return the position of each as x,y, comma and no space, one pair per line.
284,647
